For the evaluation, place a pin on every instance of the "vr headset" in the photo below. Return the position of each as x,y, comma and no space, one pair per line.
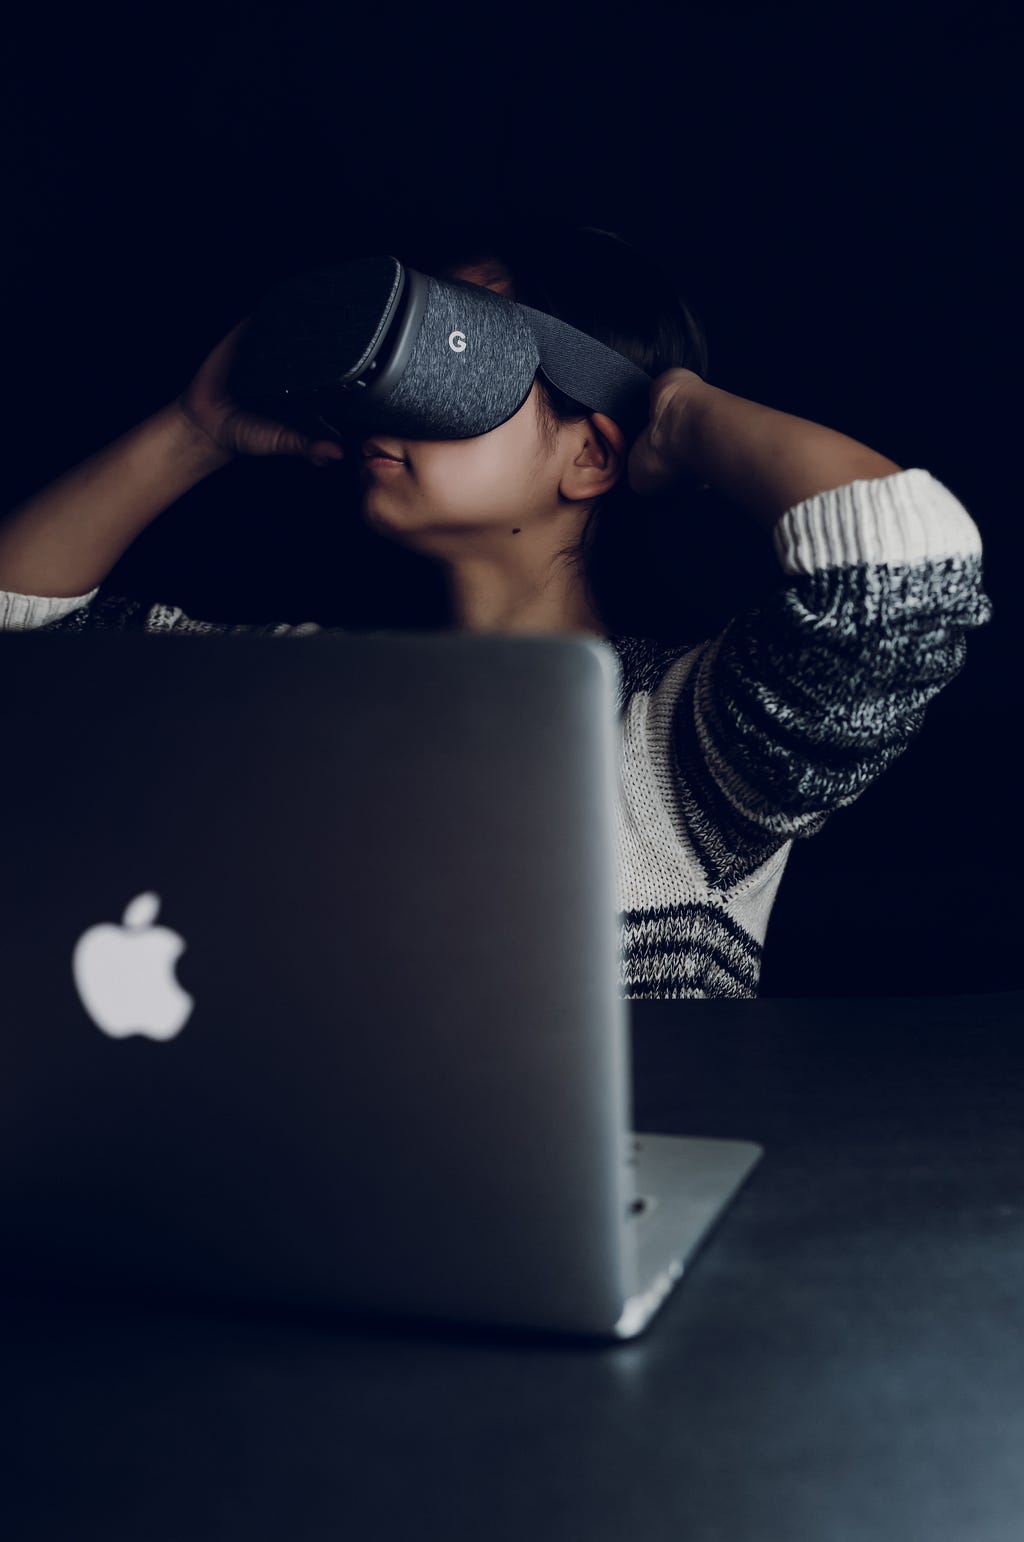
374,345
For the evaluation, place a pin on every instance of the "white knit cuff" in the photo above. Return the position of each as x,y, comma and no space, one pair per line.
909,516
22,612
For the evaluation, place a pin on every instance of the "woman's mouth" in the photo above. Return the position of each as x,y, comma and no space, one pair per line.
376,462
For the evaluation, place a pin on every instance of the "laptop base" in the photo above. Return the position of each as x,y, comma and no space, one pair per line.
684,1184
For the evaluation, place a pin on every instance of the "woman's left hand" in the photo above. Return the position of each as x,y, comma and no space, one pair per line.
659,456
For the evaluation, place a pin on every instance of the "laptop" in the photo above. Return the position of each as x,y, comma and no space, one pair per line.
310,981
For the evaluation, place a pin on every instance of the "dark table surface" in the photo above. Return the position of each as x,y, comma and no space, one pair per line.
843,1362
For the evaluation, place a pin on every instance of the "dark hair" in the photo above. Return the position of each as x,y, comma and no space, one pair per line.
619,292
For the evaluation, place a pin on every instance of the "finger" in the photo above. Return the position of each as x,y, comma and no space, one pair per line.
324,453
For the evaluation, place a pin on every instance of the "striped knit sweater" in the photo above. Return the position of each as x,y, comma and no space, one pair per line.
733,748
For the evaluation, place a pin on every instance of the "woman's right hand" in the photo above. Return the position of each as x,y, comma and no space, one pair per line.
208,407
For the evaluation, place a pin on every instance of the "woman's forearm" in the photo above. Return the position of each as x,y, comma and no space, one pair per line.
765,460
65,539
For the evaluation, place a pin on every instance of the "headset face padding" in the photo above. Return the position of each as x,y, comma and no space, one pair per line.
374,346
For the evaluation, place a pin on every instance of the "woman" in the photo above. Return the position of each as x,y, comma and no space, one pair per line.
733,747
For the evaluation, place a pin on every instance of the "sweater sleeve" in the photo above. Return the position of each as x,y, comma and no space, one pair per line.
28,612
97,611
801,702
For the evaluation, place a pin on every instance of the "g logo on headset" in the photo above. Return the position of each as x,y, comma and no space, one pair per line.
360,347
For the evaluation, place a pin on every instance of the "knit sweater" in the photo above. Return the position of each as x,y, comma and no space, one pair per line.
734,747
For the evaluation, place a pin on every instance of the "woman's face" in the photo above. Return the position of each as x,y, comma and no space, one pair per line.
487,483
472,495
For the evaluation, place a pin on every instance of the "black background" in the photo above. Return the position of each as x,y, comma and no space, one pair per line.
835,189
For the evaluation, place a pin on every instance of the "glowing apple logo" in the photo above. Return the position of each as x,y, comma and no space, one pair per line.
125,974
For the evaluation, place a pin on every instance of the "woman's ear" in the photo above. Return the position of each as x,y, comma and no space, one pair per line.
611,433
600,460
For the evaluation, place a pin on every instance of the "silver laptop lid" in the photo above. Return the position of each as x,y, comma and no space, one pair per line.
402,1077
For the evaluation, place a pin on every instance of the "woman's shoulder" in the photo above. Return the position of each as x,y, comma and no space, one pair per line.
644,661
123,613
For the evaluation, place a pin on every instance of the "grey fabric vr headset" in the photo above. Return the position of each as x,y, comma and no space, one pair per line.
373,345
